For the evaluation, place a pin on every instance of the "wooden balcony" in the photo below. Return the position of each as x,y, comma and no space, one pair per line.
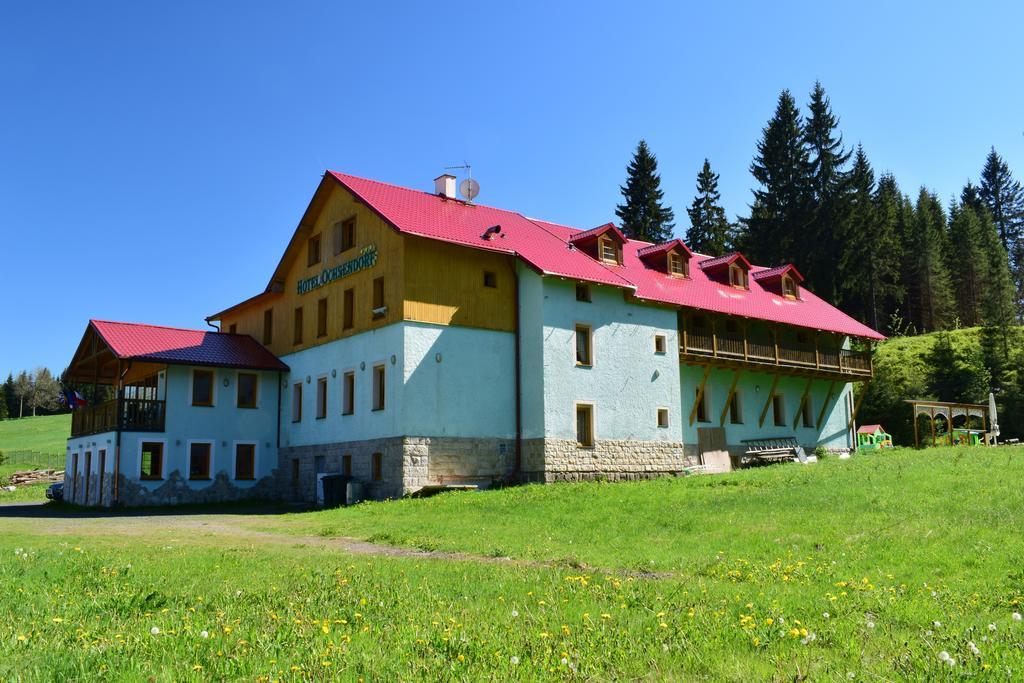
826,360
121,414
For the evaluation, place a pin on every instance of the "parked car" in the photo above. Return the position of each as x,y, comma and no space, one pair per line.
55,491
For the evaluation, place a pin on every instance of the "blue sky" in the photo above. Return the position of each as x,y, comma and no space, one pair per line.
156,157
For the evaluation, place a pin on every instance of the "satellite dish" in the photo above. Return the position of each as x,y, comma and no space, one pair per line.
469,189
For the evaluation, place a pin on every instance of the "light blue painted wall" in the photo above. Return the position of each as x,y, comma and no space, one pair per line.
223,424
753,390
531,325
470,393
627,382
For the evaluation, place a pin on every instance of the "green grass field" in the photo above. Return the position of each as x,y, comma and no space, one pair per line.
885,566
46,433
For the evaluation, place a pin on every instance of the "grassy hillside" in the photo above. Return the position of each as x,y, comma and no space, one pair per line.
862,569
47,433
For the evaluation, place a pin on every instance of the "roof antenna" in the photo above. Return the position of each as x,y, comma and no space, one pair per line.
468,188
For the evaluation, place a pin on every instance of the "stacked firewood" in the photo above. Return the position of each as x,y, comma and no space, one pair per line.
36,477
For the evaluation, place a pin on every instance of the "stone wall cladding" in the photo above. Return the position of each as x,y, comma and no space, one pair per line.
550,460
175,490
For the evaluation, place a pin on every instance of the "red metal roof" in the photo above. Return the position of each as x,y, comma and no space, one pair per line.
185,347
597,232
771,273
707,263
663,248
547,248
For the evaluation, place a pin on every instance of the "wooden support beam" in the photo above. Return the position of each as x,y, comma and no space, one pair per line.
768,402
856,408
824,406
700,393
728,398
803,400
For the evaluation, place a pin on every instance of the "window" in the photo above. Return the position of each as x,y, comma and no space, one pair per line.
663,417
268,326
582,292
584,355
490,279
378,466
202,388
344,235
378,387
348,393
321,318
806,414
779,410
152,466
199,460
88,473
584,425
702,405
101,468
295,472
608,250
348,315
313,250
735,414
789,288
659,343
245,461
321,398
378,298
297,402
297,331
676,265
320,464
737,276
247,389
346,464
233,328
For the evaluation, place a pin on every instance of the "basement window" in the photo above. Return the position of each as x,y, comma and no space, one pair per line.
584,425
663,417
378,466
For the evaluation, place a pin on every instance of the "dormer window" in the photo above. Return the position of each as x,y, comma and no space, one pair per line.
789,288
737,276
608,250
677,265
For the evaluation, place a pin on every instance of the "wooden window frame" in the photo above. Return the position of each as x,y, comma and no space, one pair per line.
490,279
807,414
296,402
346,464
321,317
790,290
321,397
348,314
268,327
702,406
159,476
235,453
255,390
380,383
673,258
314,251
662,419
588,331
588,439
209,460
583,292
298,322
377,466
233,328
603,255
778,410
192,387
740,280
348,392
346,239
660,344
379,307
736,408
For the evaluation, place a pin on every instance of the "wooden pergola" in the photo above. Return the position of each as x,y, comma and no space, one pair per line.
934,409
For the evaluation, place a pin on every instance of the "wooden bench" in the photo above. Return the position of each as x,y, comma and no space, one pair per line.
774,449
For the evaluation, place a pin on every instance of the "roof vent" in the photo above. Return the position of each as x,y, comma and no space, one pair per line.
444,185
491,232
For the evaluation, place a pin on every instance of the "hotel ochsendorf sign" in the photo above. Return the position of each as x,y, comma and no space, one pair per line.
367,259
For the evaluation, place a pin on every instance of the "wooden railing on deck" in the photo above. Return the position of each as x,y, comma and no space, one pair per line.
125,414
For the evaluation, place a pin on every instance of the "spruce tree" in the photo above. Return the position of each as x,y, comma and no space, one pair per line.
867,260
928,287
967,263
998,308
643,216
888,204
779,213
710,231
3,408
8,396
1004,198
829,227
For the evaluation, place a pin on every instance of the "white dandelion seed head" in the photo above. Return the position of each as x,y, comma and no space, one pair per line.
664,647
825,615
871,624
1017,616
951,661
514,659
851,675
564,661
204,634
944,656
974,648
515,613
937,624
155,631
934,594
991,627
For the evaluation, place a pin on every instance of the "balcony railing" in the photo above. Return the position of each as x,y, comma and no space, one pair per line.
811,358
124,414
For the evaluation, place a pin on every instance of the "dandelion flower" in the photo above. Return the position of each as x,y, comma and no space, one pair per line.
514,659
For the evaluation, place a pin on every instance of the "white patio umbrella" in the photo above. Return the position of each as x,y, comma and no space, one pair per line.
993,420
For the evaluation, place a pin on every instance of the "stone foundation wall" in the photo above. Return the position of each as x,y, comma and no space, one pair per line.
74,489
175,490
550,460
